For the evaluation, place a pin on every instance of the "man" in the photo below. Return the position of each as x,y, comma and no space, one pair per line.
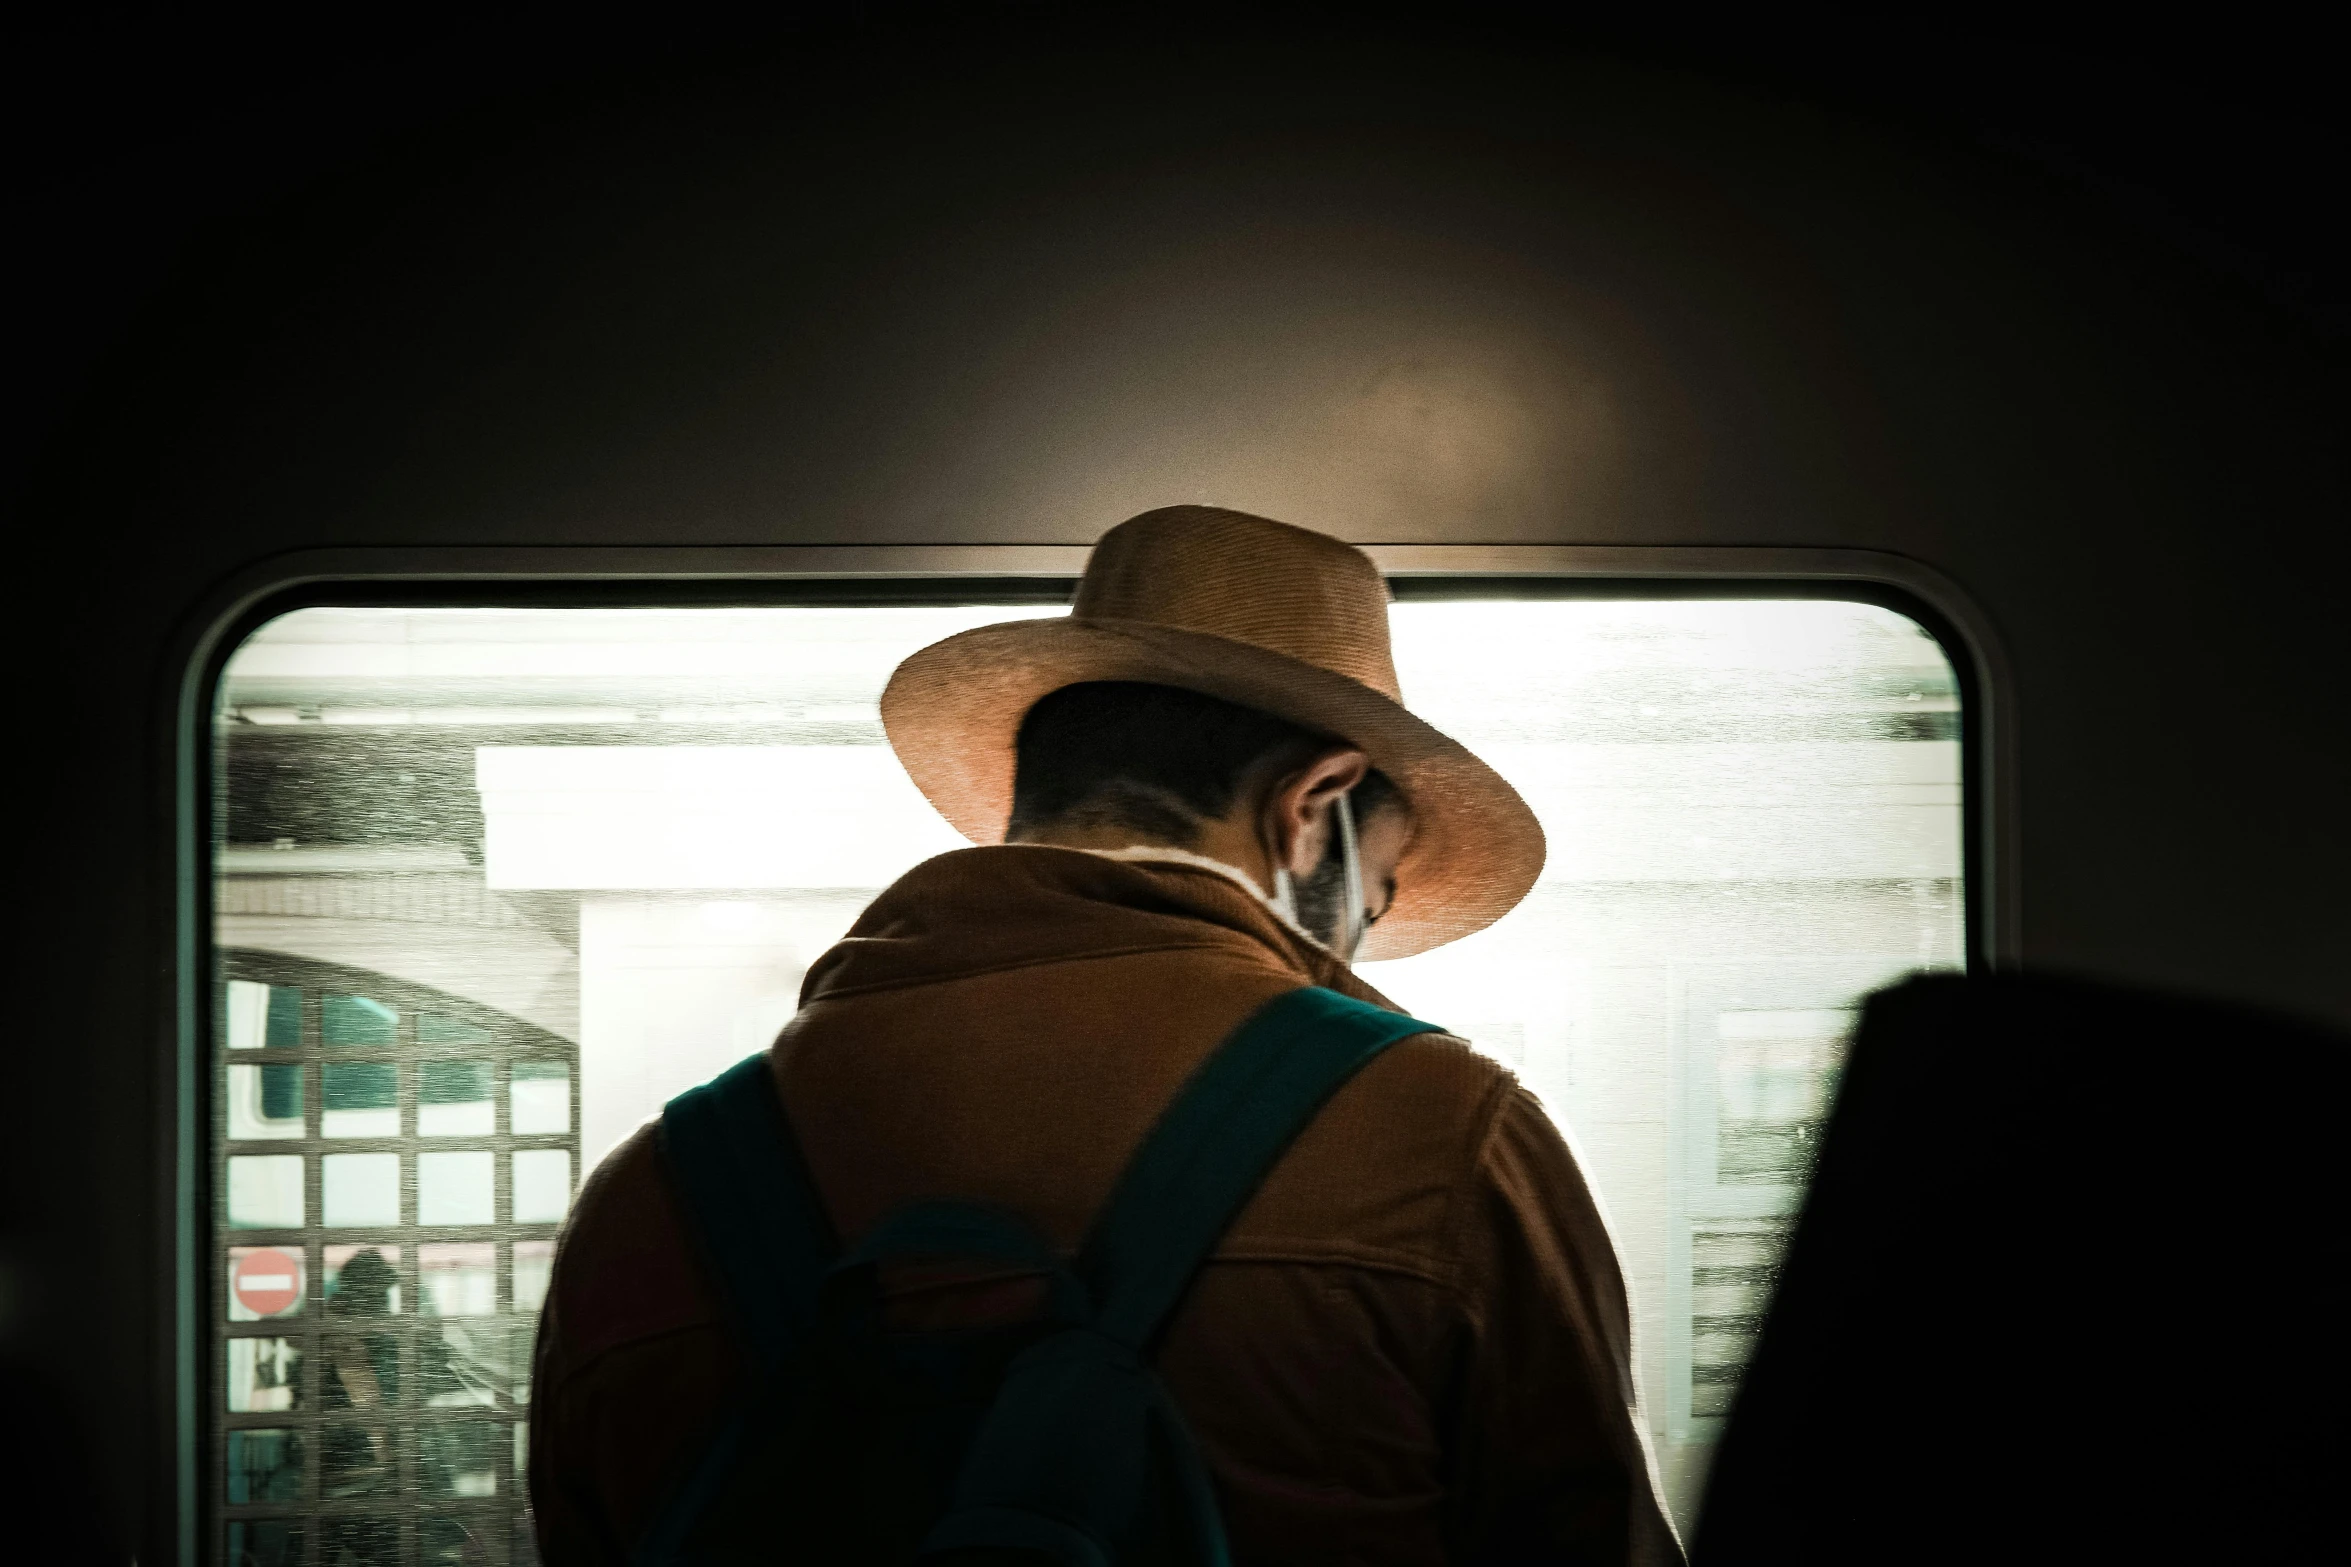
1201,791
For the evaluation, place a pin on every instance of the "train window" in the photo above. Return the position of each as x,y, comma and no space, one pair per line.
492,884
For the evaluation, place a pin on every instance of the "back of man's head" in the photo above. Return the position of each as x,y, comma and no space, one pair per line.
1153,760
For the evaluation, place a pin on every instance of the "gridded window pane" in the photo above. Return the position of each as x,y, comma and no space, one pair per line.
354,1382
456,1188
264,1102
361,1542
468,1363
262,1017
359,1190
541,1098
358,1020
432,1028
265,1281
459,1542
265,1192
359,1371
265,1375
359,1099
264,1465
458,1280
459,1457
542,1185
453,1099
265,1542
534,1266
362,1281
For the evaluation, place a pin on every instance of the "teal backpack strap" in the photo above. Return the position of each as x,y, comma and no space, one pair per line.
751,1203
1062,1466
1215,1145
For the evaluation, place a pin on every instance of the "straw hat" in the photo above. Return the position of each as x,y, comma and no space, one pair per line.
1257,612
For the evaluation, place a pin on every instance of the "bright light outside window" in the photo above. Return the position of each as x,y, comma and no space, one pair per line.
496,883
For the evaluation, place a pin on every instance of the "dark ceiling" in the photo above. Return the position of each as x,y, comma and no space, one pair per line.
137,131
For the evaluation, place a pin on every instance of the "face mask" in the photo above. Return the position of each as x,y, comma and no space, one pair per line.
1351,921
1330,904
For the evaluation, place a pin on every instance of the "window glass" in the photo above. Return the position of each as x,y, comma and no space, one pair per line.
264,1465
264,1102
495,884
358,1020
362,1281
261,1017
359,1099
359,1190
265,1281
542,1097
456,1188
265,1374
453,1099
265,1542
265,1192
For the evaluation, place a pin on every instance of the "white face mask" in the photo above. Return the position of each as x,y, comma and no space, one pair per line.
1348,939
1351,923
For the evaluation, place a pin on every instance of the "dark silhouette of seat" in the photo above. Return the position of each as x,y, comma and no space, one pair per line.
2068,1287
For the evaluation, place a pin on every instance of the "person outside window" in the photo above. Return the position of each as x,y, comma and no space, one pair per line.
1198,792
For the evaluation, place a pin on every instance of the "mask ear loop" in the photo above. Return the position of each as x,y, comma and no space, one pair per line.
1351,921
1285,894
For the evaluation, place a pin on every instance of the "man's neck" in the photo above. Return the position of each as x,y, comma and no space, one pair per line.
1227,845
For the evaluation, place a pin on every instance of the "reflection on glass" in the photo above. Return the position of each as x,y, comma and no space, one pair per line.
359,1099
359,1190
265,1542
263,1017
373,1279
264,1466
357,1020
453,1099
1775,1072
534,1266
361,1374
458,1458
265,1375
541,1098
453,1542
542,1185
360,1542
458,1280
264,1281
455,1188
434,1029
264,1101
467,1362
1733,1264
265,1192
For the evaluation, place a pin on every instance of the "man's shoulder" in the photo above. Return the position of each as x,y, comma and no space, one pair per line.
625,1270
1381,1172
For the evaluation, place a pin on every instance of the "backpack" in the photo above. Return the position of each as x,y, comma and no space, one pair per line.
1046,1440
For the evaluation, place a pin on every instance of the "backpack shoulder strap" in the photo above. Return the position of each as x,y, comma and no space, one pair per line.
1216,1142
751,1202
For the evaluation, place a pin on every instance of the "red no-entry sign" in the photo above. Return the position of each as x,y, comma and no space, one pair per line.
267,1281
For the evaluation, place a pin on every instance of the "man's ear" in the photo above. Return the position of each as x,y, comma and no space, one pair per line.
1297,812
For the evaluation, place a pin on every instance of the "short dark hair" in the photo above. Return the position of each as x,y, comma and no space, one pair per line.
1157,760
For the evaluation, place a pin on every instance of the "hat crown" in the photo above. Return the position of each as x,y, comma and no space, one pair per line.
1289,590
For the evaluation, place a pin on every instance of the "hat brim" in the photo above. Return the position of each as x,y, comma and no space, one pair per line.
952,711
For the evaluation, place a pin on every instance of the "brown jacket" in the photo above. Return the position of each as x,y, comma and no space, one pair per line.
1412,1347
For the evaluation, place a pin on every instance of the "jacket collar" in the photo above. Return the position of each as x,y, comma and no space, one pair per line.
981,910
